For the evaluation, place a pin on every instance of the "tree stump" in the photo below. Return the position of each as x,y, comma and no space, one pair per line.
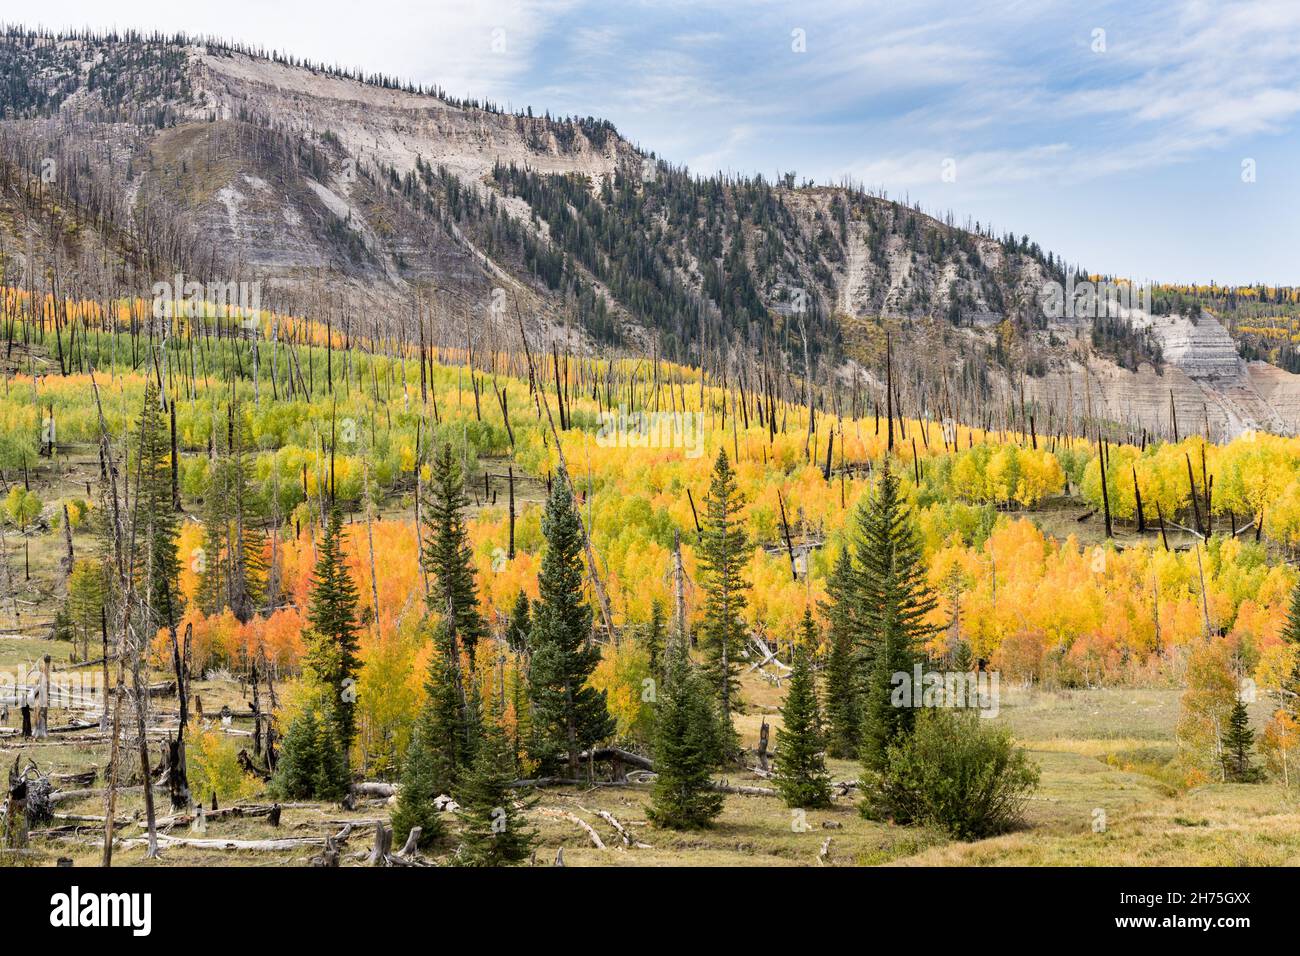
412,842
329,856
383,844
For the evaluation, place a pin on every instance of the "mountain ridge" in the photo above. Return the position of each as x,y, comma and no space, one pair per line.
369,198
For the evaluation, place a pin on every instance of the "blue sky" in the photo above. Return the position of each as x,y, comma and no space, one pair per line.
1122,150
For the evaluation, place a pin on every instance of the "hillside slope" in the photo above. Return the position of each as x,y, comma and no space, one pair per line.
374,201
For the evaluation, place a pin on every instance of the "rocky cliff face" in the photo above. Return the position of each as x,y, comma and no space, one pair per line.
1202,385
373,201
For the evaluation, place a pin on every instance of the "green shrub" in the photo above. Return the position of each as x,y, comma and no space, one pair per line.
955,773
214,767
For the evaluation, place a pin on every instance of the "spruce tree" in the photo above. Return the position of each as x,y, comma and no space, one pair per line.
894,601
447,554
687,731
415,800
801,775
519,624
724,550
234,571
1237,744
158,564
445,727
843,677
569,715
493,830
299,766
332,643
656,630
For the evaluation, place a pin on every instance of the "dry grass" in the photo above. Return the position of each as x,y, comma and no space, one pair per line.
1102,751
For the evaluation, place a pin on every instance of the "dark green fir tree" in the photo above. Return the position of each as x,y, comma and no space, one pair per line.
894,602
493,828
1238,744
801,776
568,714
447,553
332,644
686,748
724,551
843,674
519,624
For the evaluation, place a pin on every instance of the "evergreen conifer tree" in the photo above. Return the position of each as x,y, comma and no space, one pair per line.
687,730
894,601
158,565
801,775
415,800
332,644
493,831
302,764
655,635
569,715
519,624
843,679
445,727
447,554
724,550
1238,744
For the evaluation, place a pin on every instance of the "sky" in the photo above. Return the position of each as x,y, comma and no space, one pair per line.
1155,140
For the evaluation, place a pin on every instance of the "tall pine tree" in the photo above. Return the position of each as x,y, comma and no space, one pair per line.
724,550
493,831
843,675
447,554
569,715
332,643
801,775
894,600
519,624
687,732
656,630
442,745
1238,745
158,564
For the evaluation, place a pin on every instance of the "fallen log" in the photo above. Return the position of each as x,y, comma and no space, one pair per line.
617,753
185,819
74,779
369,788
283,843
574,818
74,727
628,839
724,787
65,796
